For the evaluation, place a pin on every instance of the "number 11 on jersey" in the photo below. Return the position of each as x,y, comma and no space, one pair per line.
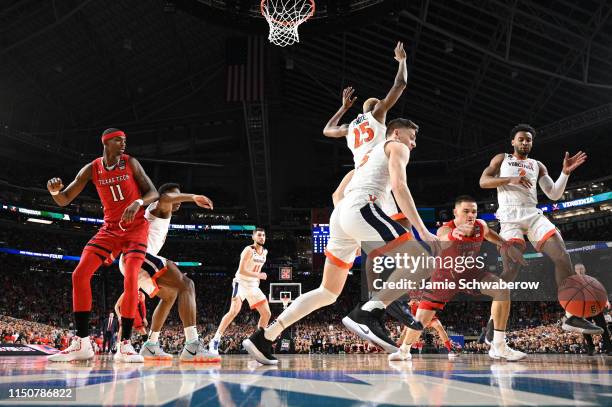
118,195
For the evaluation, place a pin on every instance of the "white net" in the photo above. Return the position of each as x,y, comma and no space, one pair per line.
284,17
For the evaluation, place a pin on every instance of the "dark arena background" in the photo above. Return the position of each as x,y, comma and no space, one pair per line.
205,100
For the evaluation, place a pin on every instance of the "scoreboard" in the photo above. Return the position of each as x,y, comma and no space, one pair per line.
320,236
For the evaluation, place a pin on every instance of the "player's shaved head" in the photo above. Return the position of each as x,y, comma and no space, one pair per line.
369,104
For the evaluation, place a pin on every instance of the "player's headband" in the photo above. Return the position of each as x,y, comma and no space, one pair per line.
109,136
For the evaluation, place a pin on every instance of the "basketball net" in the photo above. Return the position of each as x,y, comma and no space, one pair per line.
284,17
285,301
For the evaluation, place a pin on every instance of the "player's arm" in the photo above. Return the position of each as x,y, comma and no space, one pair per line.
245,256
332,129
147,190
401,80
167,199
399,155
339,192
505,247
63,198
554,189
118,305
490,176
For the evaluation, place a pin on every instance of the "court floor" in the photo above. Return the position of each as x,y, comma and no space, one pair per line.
317,380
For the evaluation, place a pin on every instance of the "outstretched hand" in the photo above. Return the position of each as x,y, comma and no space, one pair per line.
203,201
347,99
571,163
400,54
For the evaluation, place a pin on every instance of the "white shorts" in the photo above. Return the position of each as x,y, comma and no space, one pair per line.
254,296
153,267
354,221
390,207
517,221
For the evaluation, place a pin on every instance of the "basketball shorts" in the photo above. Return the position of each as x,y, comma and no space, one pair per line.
152,268
389,206
111,240
254,296
357,220
436,299
518,221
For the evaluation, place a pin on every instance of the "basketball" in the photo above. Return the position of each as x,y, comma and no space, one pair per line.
582,296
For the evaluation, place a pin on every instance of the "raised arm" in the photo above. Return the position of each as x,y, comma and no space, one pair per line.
401,80
332,129
63,198
167,199
147,190
554,189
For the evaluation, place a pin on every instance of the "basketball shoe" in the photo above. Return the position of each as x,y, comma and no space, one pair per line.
126,353
196,352
260,348
503,351
152,351
79,349
369,325
580,325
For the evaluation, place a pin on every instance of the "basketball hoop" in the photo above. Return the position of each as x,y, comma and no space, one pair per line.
284,17
285,302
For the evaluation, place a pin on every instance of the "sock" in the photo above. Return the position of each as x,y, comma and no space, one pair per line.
491,317
568,315
126,328
370,305
302,306
447,345
499,336
153,337
217,336
81,322
405,348
191,333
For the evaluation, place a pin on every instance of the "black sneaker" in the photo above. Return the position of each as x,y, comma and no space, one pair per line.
368,326
580,325
400,311
489,333
260,348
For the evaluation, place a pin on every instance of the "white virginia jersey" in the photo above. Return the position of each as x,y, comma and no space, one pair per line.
363,134
371,179
158,230
518,195
255,264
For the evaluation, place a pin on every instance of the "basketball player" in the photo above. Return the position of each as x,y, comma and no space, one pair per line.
515,177
356,218
362,134
123,187
246,286
464,236
160,277
140,319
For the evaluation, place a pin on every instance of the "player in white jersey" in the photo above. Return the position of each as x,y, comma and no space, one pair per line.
160,277
357,218
246,286
515,176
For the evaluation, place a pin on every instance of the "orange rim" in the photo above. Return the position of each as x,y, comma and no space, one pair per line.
286,23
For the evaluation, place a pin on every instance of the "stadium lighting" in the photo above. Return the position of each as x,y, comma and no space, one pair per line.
35,220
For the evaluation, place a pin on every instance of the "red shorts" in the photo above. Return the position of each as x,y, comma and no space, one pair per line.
110,240
436,298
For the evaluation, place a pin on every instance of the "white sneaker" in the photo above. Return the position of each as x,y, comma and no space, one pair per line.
127,354
196,352
79,349
503,351
213,346
399,356
152,351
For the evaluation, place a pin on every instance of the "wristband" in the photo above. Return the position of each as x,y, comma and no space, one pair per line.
140,202
54,193
451,237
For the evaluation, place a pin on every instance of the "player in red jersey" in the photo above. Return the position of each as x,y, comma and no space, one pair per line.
123,187
140,319
462,238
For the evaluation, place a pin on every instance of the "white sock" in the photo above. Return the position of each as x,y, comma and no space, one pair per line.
217,337
499,336
191,333
568,315
370,305
405,348
302,306
491,317
153,337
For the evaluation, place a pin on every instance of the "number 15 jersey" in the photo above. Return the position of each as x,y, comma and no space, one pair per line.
116,187
364,133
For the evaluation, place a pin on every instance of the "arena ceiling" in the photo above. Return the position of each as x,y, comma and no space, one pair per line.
157,68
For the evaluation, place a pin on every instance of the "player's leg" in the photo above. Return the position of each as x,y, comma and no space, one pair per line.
234,310
425,313
550,243
258,301
151,349
91,259
500,311
259,345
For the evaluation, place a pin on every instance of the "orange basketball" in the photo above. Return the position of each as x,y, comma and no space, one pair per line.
582,296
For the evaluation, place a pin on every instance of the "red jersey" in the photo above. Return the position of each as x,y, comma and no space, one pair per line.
469,246
117,188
